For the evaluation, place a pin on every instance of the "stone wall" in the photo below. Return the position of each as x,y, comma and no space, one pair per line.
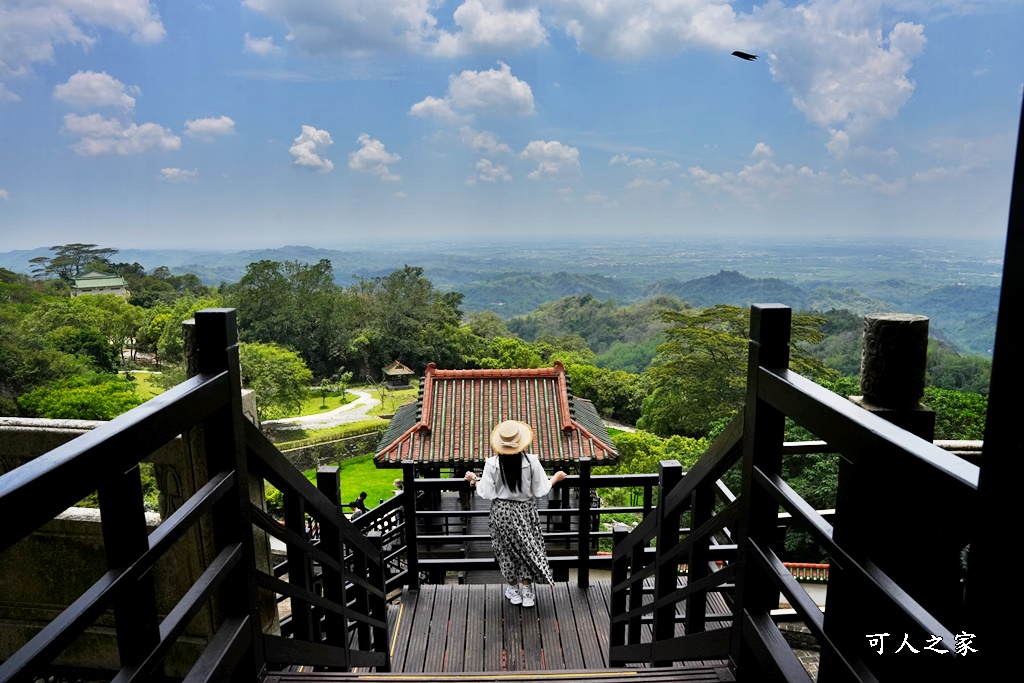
332,452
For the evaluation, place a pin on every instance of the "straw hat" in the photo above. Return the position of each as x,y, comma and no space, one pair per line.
511,437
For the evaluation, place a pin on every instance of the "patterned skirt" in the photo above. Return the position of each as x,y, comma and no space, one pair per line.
517,540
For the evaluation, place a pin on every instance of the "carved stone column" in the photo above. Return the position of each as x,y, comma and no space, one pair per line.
892,371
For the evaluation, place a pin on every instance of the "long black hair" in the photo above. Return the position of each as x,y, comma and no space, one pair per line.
511,467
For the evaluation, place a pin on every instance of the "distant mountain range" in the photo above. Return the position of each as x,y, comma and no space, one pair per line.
956,284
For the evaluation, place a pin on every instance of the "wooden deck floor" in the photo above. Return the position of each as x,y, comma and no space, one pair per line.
473,628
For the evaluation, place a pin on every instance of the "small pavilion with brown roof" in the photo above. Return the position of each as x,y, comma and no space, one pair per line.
397,376
449,425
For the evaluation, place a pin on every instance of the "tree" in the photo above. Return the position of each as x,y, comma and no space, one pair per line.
508,352
169,345
402,316
89,344
84,397
296,305
947,369
959,415
700,373
70,260
278,375
615,393
323,389
487,324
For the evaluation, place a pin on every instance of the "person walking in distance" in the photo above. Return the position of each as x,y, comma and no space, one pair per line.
512,479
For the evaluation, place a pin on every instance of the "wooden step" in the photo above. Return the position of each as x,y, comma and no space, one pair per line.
694,674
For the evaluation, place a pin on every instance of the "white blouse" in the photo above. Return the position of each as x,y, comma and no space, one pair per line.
535,482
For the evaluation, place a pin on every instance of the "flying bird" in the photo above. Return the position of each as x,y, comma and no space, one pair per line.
744,55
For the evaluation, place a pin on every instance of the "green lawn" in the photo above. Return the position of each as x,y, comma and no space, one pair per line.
314,405
145,388
393,400
357,474
360,474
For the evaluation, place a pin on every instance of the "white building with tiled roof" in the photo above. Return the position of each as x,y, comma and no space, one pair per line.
95,282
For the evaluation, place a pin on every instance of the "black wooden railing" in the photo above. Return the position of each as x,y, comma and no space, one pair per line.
890,482
404,543
208,407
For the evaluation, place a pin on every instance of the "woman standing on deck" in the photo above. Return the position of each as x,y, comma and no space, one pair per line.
512,479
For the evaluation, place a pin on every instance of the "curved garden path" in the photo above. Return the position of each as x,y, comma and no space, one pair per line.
354,411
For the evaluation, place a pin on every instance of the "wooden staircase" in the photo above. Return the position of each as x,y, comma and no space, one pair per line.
688,675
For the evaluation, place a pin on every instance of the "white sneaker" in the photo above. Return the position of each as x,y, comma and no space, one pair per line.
528,597
512,593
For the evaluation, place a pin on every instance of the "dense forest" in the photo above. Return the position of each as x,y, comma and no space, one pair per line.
665,364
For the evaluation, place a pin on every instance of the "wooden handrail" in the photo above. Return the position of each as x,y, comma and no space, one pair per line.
65,475
861,439
106,459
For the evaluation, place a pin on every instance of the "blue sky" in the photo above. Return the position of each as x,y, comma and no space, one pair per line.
257,123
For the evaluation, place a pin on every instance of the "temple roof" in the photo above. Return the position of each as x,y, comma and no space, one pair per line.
451,422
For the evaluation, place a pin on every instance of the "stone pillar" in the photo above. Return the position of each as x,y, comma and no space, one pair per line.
892,371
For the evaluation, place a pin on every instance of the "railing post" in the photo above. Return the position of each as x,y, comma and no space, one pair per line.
409,507
702,509
300,568
637,561
224,442
666,573
378,604
583,530
361,568
123,521
617,635
328,481
763,433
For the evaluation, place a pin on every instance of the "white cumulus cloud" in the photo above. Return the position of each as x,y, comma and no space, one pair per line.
489,26
495,91
31,32
373,159
353,27
308,148
764,179
6,95
874,182
648,184
624,159
260,46
489,172
4,194
88,89
483,141
209,128
842,67
434,107
98,135
178,176
845,64
553,159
